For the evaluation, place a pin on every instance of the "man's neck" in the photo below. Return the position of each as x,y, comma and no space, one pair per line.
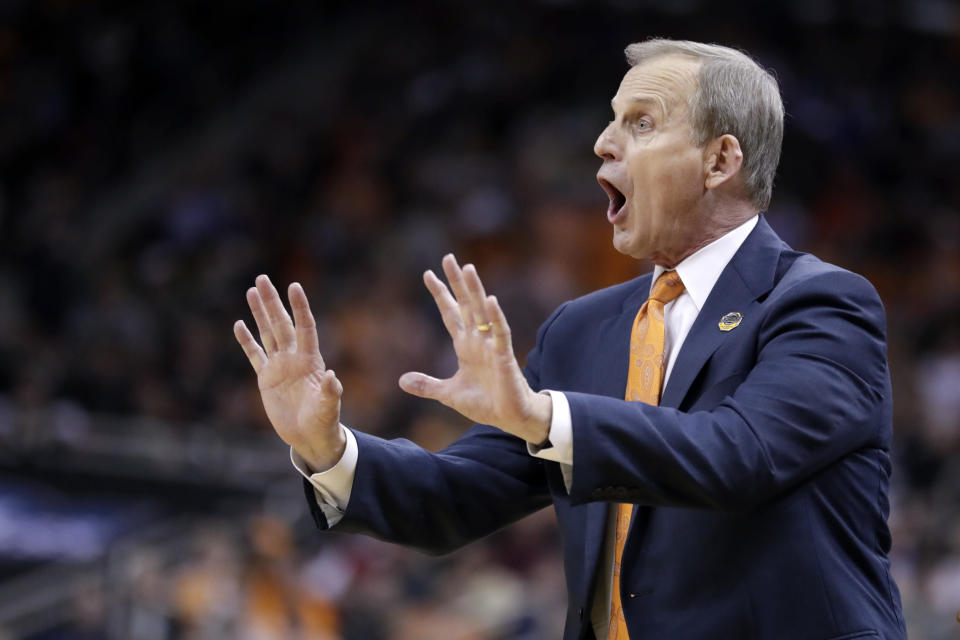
719,225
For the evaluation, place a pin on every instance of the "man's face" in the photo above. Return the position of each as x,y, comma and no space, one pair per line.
652,170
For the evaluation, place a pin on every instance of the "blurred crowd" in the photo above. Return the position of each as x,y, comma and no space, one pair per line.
460,129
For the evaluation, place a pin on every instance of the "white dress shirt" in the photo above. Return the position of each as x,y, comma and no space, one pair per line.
698,272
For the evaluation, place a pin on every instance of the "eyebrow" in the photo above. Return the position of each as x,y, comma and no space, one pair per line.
650,100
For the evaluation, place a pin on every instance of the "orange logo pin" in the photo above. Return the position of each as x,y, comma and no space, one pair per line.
730,321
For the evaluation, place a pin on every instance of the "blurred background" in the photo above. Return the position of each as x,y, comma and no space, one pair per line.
155,156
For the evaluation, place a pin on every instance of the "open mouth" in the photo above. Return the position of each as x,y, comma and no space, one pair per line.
617,207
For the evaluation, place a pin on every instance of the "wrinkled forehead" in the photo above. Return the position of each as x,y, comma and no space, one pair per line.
668,81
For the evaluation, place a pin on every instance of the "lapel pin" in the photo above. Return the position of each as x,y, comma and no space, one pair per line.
730,321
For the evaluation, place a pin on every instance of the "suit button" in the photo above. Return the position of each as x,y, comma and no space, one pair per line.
580,612
633,595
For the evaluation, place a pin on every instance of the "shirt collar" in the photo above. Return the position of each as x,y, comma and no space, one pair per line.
700,270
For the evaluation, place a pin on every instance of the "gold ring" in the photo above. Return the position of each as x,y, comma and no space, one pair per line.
485,326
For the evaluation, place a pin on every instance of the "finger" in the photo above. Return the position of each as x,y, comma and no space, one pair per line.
455,277
502,340
263,322
422,385
476,294
449,309
280,321
254,353
306,326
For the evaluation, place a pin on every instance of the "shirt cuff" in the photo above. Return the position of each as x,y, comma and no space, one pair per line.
559,445
332,487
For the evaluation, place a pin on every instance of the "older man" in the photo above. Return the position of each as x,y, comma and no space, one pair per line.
714,436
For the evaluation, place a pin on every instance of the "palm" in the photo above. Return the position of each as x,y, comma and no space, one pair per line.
488,386
291,386
300,395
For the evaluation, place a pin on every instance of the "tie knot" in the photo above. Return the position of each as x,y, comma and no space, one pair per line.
667,287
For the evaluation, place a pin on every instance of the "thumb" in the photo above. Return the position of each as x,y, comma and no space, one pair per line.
331,384
421,385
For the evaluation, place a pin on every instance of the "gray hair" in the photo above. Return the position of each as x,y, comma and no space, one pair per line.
734,95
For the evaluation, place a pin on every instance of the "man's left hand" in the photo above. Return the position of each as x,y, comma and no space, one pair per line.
488,386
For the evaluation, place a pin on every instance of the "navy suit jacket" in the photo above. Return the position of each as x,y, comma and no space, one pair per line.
761,480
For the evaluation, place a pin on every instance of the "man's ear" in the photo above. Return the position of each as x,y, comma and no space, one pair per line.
723,160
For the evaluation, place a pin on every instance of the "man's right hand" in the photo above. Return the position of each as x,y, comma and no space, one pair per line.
301,396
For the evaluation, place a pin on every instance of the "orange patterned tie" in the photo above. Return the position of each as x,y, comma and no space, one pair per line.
644,379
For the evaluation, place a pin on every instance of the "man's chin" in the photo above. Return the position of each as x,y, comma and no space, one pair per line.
625,243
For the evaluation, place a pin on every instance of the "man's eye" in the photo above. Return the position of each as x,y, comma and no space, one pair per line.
642,125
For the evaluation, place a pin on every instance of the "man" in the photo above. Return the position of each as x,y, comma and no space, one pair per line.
713,436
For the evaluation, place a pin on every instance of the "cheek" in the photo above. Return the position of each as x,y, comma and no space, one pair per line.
656,187
658,172
678,183
667,182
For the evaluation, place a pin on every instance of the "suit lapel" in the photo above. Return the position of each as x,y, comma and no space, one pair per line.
748,275
611,381
705,335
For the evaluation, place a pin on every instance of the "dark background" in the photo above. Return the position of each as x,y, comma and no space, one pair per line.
156,156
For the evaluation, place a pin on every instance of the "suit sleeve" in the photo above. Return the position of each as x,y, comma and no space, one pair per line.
438,502
818,391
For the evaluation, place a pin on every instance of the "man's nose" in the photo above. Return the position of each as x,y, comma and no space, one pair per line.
605,147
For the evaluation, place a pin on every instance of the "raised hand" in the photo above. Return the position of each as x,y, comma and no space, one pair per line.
488,386
301,396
